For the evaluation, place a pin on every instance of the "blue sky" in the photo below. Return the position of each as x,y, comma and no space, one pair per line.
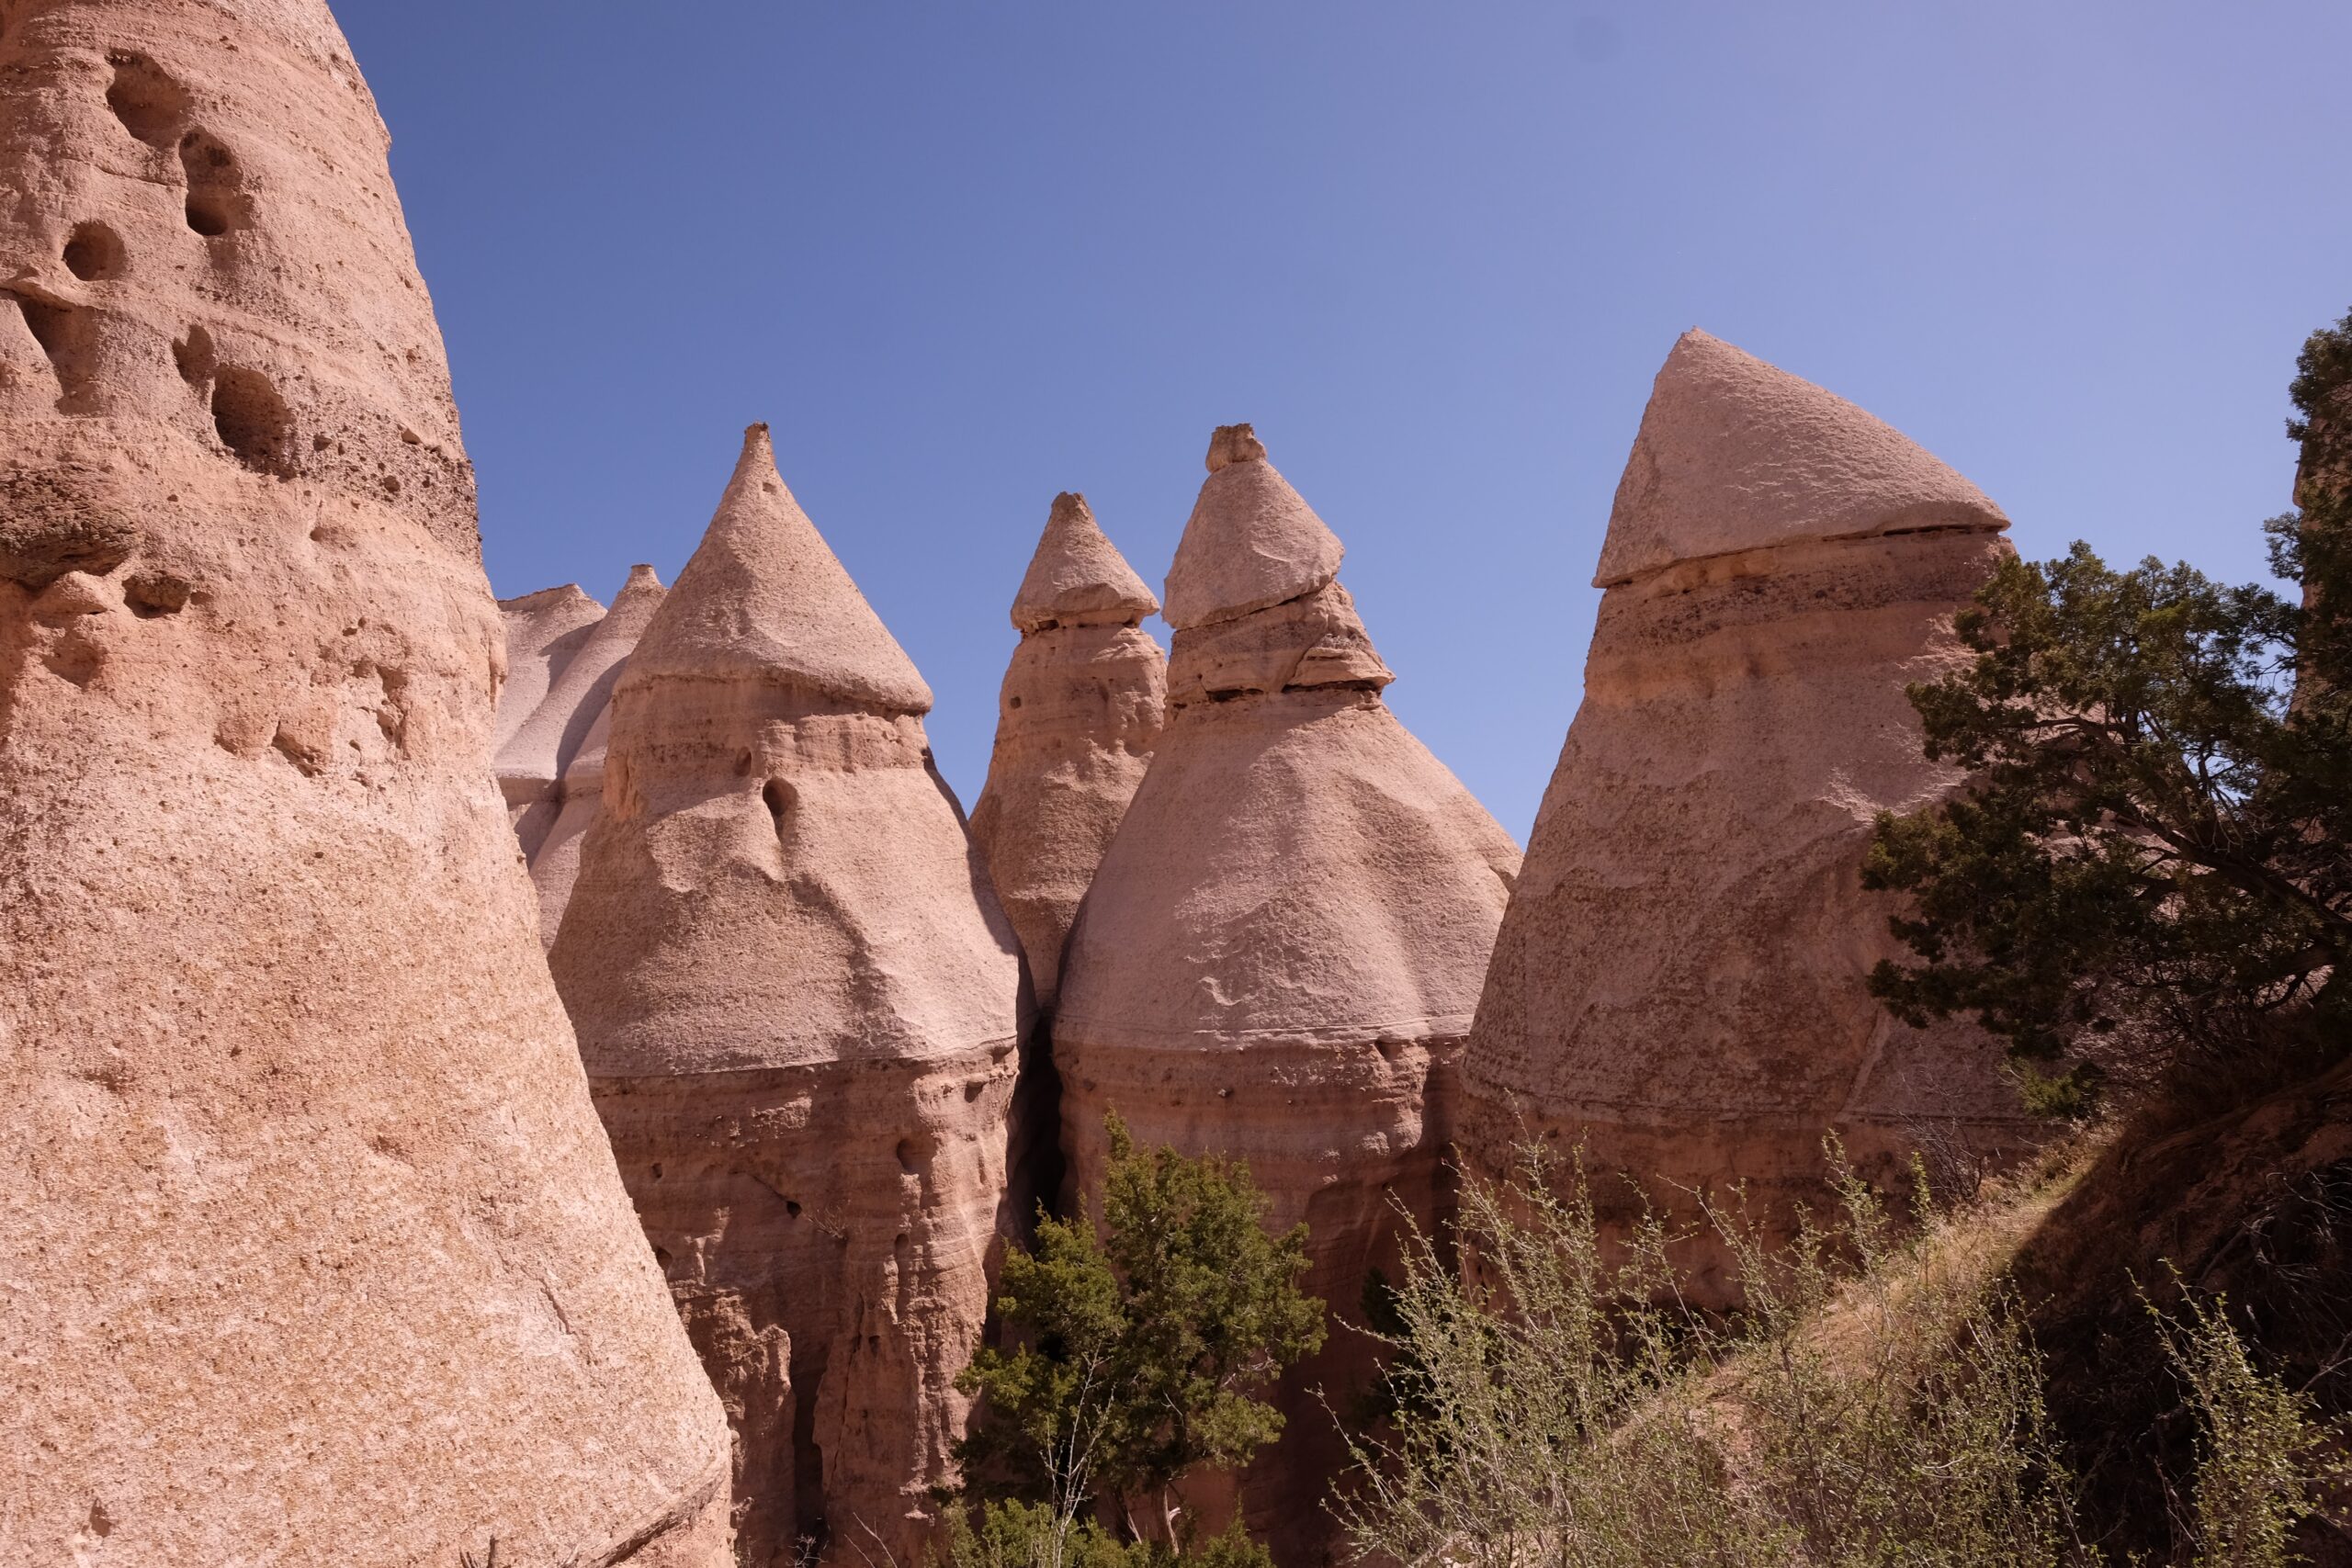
965,256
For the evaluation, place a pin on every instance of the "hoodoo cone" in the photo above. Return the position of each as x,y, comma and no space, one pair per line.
551,768
1081,706
312,1246
800,1007
1281,951
1679,987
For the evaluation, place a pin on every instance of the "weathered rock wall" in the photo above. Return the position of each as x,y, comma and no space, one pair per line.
312,1243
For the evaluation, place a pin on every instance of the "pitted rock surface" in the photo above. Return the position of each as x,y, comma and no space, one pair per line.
313,1244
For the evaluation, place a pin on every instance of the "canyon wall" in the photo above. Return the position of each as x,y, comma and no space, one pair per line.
1281,950
800,1006
1679,985
312,1245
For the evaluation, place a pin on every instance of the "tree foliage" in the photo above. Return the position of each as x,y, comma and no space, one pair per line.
1139,1357
2153,855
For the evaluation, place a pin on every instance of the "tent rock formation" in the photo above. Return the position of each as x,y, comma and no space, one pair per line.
1283,948
800,1007
552,765
1679,985
1080,708
313,1244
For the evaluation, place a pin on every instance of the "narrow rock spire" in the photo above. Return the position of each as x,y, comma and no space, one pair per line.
543,631
1080,711
765,594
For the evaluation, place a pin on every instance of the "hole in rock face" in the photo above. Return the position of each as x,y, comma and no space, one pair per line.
792,1207
215,198
145,98
1014,701
151,595
657,1171
778,796
195,357
94,253
253,421
69,337
914,1154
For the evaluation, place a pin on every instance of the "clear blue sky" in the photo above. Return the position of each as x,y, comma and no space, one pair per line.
962,255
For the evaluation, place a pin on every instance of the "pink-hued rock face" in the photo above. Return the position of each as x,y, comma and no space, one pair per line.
1281,950
544,630
1679,982
313,1247
1081,706
1271,547
551,767
800,1006
1734,455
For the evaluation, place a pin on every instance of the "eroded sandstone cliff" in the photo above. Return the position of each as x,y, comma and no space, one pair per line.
311,1245
800,1006
1283,948
1679,985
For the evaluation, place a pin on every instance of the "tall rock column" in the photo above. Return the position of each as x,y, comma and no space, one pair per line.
1679,987
551,769
1283,948
1080,708
800,1007
310,1244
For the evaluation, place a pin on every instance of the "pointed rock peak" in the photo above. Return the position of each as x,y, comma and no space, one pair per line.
1736,455
1252,541
641,577
570,600
1077,577
765,596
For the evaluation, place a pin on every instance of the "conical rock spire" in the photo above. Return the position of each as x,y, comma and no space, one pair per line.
764,595
1252,542
1077,577
1735,454
1280,953
543,631
1080,708
1680,983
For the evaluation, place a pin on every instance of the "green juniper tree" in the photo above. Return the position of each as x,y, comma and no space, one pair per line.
1140,1357
2153,858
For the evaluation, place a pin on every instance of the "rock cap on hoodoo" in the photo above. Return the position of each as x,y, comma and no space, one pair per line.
1252,541
1735,454
765,595
1077,577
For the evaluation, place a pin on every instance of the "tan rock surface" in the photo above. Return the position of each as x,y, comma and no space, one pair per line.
311,1245
551,769
1283,948
1082,706
1679,982
543,631
800,1006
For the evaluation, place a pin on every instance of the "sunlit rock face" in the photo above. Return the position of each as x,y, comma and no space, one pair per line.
1679,987
1282,951
312,1245
1083,704
564,654
799,1004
